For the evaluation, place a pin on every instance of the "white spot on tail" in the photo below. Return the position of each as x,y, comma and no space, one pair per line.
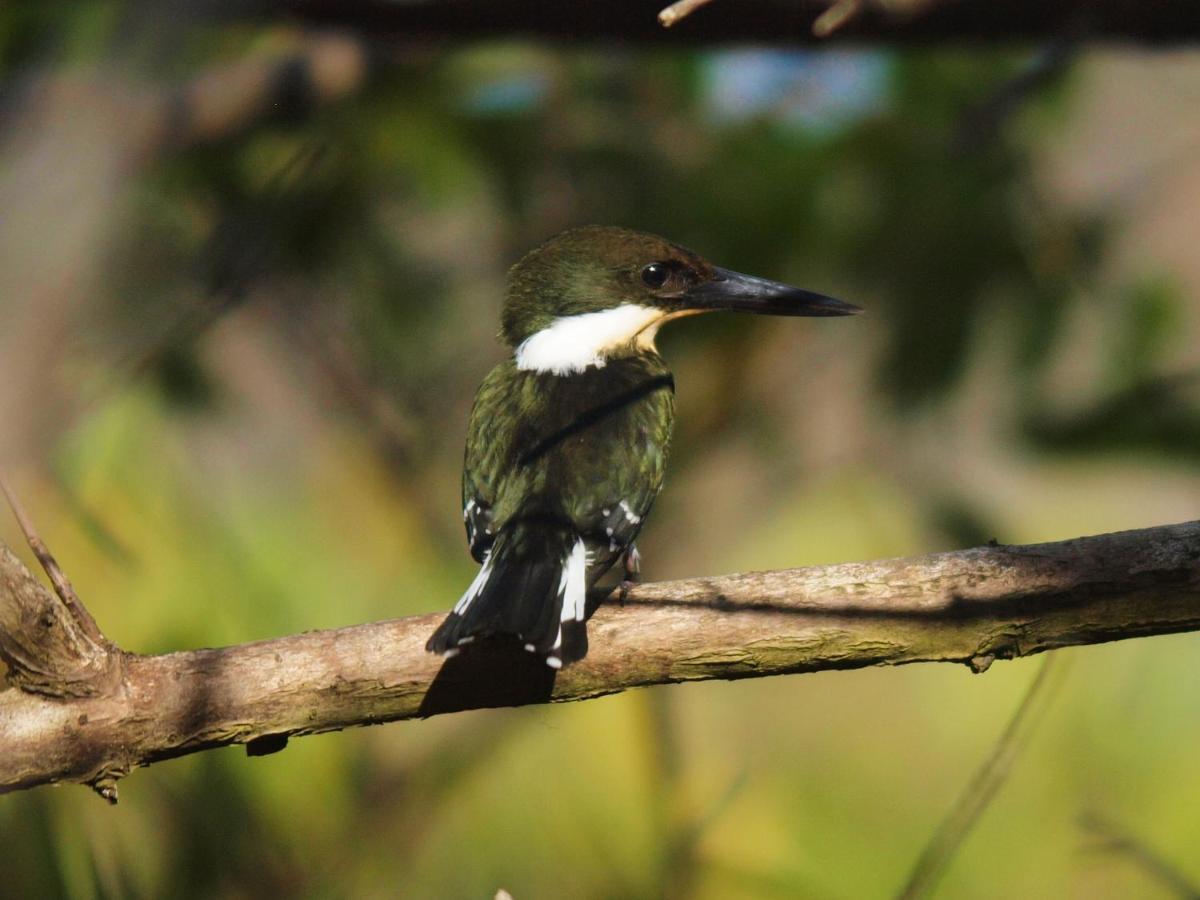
476,587
574,343
574,584
572,588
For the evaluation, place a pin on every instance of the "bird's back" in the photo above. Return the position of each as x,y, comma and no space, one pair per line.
588,450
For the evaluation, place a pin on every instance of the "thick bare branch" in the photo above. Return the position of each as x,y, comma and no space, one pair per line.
970,606
319,70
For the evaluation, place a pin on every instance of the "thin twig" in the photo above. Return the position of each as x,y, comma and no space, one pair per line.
984,121
679,10
62,584
1113,839
990,777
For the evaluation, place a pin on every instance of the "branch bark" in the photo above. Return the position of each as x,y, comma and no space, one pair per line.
969,606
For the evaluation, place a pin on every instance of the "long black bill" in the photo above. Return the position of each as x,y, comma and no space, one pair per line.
733,290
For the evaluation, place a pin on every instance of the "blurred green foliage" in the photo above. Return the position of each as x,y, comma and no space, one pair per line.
295,314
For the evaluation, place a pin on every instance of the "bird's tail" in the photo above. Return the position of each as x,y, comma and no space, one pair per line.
533,585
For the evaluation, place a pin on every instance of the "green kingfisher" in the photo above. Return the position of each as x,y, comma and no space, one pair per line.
568,437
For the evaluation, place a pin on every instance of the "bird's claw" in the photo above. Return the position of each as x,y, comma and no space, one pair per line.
623,590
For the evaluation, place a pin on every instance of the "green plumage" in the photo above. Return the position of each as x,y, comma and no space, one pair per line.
573,450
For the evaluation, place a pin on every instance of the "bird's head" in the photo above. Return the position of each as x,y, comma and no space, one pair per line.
592,293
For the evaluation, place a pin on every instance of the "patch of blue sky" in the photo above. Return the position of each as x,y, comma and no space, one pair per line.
819,90
513,93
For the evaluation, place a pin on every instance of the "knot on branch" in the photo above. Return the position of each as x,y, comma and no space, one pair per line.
47,649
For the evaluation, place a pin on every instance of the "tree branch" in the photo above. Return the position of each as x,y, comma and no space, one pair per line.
764,21
62,585
969,606
46,649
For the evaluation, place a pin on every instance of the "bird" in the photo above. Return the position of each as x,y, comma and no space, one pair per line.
568,437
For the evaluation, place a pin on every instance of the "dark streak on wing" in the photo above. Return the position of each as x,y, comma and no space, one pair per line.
590,417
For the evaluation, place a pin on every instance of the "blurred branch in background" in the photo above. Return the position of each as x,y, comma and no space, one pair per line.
678,11
978,794
216,105
983,122
1157,413
1108,837
970,606
304,73
771,21
125,126
320,69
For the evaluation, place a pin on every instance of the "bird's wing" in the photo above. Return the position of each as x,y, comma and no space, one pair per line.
489,441
633,484
477,509
621,521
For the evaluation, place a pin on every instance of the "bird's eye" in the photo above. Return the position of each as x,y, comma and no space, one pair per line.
655,275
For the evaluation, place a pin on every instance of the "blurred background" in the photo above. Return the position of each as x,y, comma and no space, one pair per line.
250,275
